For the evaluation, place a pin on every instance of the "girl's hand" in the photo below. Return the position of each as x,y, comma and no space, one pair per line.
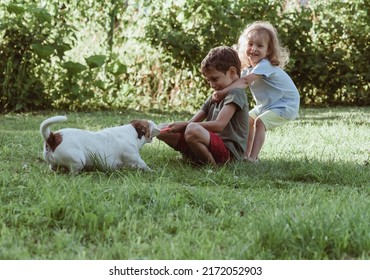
217,97
241,83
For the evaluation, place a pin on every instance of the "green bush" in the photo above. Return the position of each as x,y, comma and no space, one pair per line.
36,72
329,48
328,40
342,31
140,54
31,39
187,30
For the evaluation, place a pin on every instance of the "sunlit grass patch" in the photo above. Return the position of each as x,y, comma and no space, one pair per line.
306,199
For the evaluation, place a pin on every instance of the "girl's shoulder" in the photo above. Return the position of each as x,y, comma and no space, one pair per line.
265,63
264,67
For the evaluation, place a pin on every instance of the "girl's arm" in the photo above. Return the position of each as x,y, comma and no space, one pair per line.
242,82
220,94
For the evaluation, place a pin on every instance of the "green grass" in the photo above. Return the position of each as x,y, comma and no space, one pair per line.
308,198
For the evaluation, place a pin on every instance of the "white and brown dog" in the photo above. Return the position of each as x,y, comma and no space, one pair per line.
75,149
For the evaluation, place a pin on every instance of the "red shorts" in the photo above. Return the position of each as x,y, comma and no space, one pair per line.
220,153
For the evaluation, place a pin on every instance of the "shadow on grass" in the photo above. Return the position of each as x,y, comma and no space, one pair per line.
310,171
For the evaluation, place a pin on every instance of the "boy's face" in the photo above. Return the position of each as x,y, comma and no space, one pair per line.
218,80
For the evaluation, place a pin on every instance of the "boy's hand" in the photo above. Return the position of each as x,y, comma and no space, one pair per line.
178,126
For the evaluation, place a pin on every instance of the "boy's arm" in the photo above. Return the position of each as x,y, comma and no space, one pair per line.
181,125
199,116
222,120
242,82
217,125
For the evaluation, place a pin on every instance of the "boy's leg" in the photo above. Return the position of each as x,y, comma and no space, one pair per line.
171,139
198,144
198,139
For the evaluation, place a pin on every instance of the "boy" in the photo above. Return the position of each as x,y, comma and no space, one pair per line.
218,132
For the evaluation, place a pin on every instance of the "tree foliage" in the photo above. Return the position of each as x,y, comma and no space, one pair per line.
187,30
329,44
146,54
31,37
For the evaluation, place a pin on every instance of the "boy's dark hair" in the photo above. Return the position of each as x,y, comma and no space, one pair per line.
221,58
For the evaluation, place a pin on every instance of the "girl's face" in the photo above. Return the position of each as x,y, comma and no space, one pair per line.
257,47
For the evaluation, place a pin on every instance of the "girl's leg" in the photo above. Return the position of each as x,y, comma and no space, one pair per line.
258,140
250,137
198,139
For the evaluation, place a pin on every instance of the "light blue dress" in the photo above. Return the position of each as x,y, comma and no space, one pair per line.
275,90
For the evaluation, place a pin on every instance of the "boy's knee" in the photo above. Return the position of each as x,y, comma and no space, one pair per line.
192,131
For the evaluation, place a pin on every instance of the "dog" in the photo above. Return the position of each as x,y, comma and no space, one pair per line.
75,149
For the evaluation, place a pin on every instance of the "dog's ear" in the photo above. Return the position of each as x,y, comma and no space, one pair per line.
142,128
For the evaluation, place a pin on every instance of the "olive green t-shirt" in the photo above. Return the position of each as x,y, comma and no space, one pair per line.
235,134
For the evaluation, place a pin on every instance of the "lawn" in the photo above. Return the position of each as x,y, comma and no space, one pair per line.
308,198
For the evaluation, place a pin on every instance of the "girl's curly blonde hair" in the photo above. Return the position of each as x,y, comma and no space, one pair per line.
277,54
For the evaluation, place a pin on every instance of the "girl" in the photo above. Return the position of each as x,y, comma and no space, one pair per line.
276,96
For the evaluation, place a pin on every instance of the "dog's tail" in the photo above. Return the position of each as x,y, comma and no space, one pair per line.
44,127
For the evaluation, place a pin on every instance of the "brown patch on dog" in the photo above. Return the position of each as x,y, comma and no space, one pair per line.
142,128
53,141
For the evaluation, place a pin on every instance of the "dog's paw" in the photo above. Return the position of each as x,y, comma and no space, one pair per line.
148,169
